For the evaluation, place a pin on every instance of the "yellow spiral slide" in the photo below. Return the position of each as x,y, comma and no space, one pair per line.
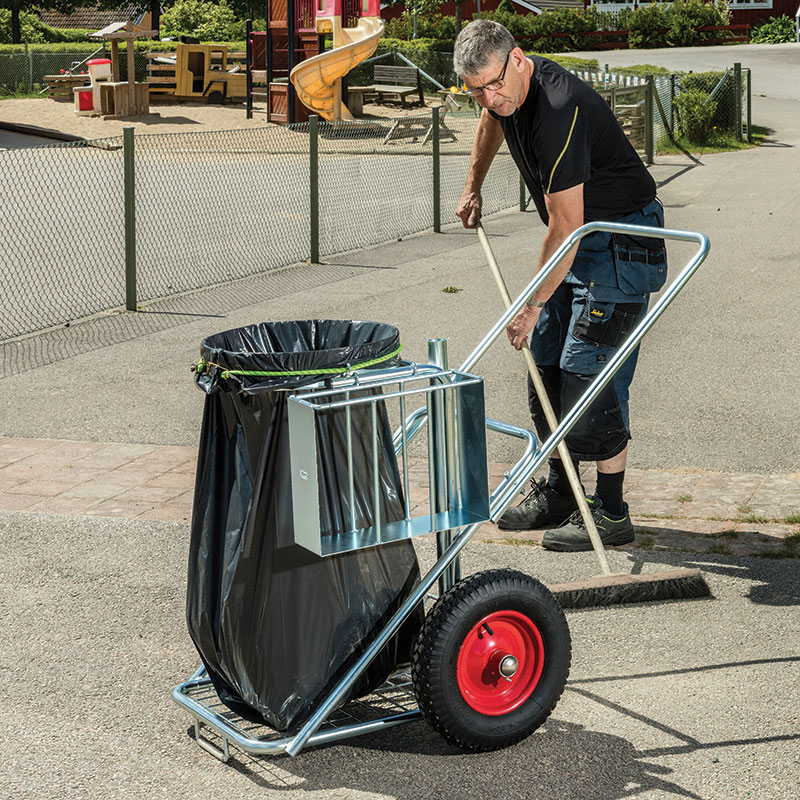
318,80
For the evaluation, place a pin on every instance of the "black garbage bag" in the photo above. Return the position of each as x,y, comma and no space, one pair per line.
275,625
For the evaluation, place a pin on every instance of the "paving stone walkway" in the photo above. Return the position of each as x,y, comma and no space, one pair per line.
685,509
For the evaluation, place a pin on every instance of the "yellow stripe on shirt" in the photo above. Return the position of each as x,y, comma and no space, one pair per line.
561,155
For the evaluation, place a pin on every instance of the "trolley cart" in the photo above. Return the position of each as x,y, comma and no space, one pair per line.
492,658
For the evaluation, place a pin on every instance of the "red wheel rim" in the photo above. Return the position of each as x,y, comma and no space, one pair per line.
496,637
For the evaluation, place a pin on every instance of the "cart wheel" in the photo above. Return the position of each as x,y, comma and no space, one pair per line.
216,98
491,660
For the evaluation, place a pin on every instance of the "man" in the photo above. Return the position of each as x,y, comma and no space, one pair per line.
579,167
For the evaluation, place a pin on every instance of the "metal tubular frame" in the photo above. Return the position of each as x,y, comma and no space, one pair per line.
531,460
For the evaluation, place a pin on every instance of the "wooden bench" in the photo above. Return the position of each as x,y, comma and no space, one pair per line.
397,83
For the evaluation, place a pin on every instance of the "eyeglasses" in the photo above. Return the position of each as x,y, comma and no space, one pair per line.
492,86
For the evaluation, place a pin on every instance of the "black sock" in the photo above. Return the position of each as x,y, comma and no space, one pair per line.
609,490
557,480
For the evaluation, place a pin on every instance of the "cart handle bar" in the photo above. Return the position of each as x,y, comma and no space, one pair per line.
610,369
566,247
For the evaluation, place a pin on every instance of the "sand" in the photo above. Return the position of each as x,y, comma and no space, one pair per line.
57,115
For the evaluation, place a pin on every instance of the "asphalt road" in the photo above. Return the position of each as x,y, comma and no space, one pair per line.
692,699
11,140
775,68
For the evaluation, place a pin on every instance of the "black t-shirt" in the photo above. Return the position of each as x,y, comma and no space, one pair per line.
565,134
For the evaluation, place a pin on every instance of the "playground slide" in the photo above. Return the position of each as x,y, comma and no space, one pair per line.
316,80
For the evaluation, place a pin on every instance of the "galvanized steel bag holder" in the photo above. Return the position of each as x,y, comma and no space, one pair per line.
456,454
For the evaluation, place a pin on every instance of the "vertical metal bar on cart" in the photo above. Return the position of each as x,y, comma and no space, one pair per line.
350,479
376,486
437,434
404,434
454,465
432,468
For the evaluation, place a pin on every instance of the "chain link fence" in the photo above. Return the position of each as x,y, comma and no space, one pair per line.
26,72
646,107
214,207
61,233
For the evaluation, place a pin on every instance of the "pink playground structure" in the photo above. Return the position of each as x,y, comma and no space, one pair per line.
288,67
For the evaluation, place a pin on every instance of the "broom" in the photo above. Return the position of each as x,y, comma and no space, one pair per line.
608,588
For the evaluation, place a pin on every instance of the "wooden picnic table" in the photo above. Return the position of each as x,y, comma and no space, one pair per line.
458,97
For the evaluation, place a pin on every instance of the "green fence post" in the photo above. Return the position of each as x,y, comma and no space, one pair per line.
749,105
437,188
522,192
313,160
737,82
649,110
130,218
672,100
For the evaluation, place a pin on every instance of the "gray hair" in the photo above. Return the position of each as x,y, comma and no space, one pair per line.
478,44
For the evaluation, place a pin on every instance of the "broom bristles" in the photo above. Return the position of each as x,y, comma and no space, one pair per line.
609,590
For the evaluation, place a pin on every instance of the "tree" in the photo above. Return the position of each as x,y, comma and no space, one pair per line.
247,9
18,6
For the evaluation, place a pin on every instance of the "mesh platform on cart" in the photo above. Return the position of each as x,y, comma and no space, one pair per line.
276,625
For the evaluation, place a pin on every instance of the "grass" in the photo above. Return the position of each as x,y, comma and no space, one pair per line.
685,498
793,518
644,540
746,515
19,92
720,141
790,548
724,535
756,519
451,289
514,542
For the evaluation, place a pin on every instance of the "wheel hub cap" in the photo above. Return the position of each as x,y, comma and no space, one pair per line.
500,662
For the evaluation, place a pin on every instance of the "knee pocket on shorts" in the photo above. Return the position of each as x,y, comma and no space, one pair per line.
600,432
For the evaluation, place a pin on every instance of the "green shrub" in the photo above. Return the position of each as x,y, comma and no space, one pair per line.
684,16
432,56
573,62
34,31
696,110
208,21
646,27
725,97
643,70
774,31
429,26
563,20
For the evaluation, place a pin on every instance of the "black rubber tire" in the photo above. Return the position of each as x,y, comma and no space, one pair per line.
437,648
216,98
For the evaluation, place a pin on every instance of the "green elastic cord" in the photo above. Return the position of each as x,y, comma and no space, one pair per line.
200,368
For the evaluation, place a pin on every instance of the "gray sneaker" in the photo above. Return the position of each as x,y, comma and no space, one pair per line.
542,507
573,535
